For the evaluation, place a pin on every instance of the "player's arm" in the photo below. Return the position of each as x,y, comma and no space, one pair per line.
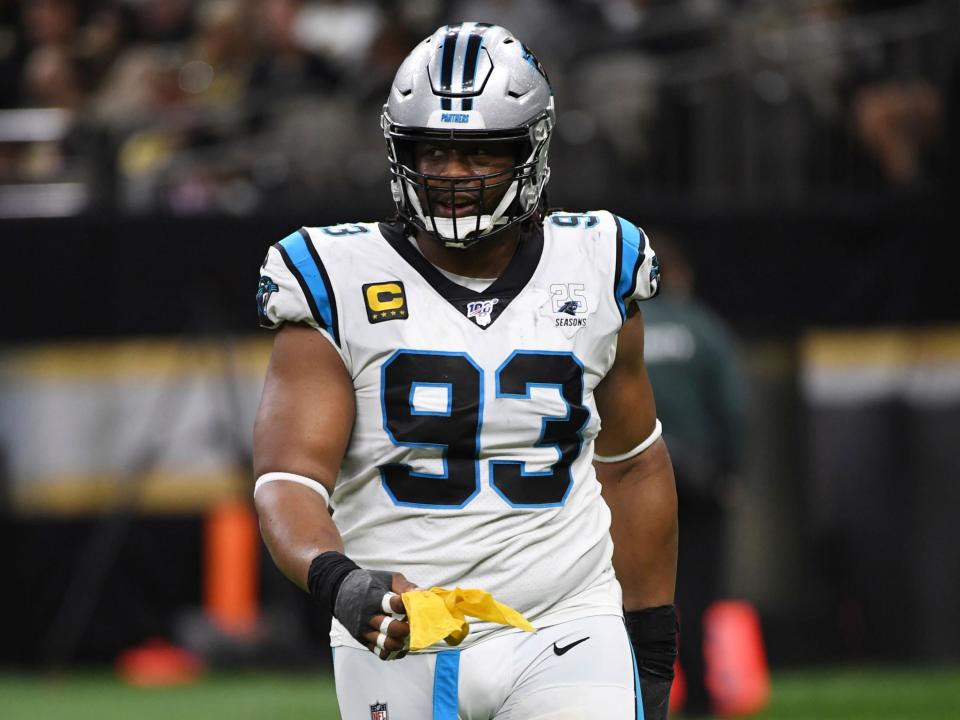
642,496
301,433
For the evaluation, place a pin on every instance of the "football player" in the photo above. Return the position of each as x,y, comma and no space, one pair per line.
432,415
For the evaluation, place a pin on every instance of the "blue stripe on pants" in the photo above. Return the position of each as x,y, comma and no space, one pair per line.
636,685
446,681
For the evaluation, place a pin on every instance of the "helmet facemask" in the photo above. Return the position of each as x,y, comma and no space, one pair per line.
416,193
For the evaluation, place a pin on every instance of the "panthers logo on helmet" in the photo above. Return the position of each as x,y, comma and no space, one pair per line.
266,288
533,60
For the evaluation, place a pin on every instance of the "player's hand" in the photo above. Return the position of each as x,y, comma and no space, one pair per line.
391,638
370,607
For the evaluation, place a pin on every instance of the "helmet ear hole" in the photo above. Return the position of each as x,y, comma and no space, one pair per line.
404,149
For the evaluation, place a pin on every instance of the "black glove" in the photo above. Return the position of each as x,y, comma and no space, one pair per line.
353,595
653,634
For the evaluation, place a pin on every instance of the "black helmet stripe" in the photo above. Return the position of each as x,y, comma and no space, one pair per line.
446,63
470,61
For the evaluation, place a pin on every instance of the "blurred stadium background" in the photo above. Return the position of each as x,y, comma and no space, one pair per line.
805,154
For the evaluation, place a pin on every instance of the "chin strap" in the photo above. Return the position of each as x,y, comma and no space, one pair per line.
450,228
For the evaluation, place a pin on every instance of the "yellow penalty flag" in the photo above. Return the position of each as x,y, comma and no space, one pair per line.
440,614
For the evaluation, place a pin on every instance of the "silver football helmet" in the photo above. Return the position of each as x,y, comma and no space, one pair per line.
470,82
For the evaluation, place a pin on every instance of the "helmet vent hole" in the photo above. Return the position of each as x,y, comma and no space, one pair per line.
514,94
508,41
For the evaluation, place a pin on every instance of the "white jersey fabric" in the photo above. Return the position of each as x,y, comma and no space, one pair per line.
470,462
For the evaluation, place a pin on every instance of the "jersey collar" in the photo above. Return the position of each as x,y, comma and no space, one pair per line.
495,299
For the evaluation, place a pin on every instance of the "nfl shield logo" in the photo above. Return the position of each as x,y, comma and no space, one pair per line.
481,311
378,711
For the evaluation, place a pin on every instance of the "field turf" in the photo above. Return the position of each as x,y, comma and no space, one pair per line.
842,694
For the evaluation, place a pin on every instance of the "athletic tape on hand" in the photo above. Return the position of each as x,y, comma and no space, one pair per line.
360,598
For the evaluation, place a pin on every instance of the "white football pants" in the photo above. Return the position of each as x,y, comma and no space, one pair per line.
578,670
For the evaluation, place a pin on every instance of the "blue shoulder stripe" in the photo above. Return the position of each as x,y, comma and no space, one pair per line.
631,245
301,258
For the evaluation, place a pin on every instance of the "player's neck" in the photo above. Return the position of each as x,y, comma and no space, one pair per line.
487,259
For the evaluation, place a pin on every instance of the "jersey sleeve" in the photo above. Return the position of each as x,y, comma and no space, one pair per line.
637,267
294,287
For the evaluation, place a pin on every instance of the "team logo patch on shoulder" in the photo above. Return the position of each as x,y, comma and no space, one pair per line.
266,288
378,711
385,301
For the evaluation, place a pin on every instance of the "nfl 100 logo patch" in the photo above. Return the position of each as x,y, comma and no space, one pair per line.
481,311
378,711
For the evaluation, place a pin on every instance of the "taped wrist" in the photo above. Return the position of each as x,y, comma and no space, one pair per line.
653,635
360,598
327,572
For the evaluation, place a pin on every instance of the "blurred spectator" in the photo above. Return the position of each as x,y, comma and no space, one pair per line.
897,123
51,78
220,56
143,81
285,66
102,39
340,31
165,21
696,376
50,74
724,100
49,22
12,51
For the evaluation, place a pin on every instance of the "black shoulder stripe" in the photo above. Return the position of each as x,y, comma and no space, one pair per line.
291,266
641,258
618,263
335,317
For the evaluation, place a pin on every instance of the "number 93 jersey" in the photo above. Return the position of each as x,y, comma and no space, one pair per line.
470,461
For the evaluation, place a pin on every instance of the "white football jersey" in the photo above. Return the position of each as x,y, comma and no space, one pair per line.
470,462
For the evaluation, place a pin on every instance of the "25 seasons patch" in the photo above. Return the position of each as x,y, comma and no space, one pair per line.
385,301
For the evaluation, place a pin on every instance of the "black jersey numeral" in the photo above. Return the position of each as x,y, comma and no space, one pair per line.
435,400
455,428
522,371
574,220
345,229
